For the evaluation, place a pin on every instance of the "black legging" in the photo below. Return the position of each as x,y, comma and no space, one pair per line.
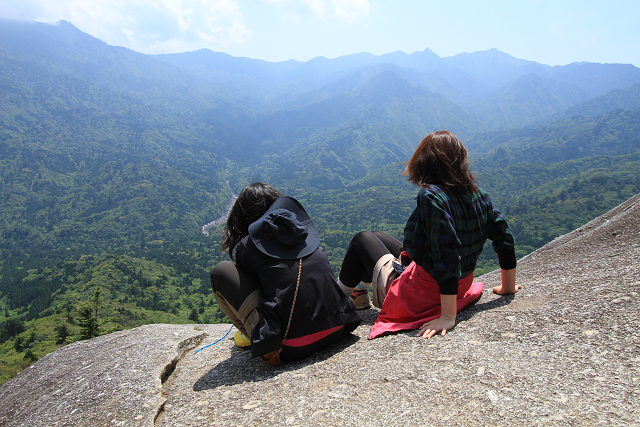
364,251
232,282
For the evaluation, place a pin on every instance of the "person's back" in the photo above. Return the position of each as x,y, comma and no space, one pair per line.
446,232
319,302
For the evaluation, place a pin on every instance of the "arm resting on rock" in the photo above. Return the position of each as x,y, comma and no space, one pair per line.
446,321
508,283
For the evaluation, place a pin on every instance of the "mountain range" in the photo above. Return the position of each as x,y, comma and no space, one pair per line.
106,152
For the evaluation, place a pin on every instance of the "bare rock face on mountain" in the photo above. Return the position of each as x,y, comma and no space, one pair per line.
565,350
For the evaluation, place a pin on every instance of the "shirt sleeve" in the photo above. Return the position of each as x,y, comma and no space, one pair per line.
243,262
266,336
502,239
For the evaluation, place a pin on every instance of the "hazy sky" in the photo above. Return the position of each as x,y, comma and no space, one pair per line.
553,32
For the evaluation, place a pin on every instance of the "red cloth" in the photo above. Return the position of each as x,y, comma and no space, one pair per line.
414,299
309,339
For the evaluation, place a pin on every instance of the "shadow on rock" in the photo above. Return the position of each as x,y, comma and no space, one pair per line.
474,307
369,316
241,367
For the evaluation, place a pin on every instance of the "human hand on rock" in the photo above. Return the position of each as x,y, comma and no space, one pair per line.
504,290
429,329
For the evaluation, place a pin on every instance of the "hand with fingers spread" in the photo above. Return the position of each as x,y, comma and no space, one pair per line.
443,323
446,321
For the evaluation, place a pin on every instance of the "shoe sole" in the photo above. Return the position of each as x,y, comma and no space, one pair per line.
362,301
239,339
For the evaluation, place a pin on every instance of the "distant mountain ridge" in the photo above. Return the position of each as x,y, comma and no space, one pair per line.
243,110
491,68
526,100
470,79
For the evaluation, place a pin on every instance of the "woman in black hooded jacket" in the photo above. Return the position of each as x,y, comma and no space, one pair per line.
281,294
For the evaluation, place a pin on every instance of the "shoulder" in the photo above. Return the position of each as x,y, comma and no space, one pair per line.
482,196
247,253
242,244
433,195
481,193
431,192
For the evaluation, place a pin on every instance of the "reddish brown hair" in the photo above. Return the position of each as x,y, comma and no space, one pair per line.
442,160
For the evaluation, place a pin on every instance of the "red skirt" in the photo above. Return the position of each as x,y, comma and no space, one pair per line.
414,299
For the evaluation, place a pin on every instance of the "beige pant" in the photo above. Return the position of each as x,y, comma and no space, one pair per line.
383,275
246,317
237,296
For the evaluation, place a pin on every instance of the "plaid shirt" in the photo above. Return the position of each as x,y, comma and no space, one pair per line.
446,232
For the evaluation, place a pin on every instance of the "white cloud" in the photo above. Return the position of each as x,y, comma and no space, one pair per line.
346,10
350,10
149,26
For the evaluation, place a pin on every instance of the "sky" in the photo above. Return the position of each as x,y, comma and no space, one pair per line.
552,32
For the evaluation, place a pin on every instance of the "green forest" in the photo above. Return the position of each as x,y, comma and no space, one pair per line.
112,162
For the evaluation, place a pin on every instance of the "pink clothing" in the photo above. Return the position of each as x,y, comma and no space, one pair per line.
309,339
414,299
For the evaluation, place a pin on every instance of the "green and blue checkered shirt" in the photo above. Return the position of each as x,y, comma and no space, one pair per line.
446,232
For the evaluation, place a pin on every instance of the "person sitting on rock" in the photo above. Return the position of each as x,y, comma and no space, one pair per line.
281,294
423,282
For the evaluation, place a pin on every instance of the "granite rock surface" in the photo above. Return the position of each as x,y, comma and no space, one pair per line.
564,351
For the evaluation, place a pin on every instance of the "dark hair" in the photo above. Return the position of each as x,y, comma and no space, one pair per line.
251,204
442,160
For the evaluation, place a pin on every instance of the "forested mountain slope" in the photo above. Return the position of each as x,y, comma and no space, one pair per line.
525,101
613,133
548,180
621,99
79,160
490,83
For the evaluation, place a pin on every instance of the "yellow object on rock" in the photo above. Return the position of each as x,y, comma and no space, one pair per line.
242,341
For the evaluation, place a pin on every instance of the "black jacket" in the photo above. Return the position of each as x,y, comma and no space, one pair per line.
320,303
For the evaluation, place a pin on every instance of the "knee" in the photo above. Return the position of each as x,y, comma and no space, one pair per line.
221,273
361,238
380,235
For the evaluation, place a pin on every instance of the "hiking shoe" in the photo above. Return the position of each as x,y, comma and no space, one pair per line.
360,298
241,341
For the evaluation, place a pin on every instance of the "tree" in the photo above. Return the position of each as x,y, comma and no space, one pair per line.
18,344
88,319
11,328
193,315
62,333
29,355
